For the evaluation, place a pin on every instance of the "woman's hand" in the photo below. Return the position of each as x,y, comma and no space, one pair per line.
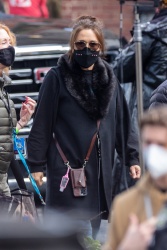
135,172
38,177
27,110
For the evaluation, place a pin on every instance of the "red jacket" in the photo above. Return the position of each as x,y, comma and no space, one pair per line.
33,8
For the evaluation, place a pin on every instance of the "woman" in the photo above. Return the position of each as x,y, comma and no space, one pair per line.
74,96
7,112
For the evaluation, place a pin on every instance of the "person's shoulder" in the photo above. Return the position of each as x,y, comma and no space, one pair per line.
163,85
133,193
54,70
52,73
126,196
158,96
161,89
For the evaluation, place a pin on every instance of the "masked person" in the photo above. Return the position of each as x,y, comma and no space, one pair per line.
8,121
154,66
149,196
154,57
79,98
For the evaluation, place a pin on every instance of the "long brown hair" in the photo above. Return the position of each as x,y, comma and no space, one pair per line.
87,22
12,39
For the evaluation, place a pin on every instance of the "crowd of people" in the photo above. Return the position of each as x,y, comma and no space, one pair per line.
82,118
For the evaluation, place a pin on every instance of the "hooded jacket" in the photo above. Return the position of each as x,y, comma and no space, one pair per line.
159,96
154,58
6,142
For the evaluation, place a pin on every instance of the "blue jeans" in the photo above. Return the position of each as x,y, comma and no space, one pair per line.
87,229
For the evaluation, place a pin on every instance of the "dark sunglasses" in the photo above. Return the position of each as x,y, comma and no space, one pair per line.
82,44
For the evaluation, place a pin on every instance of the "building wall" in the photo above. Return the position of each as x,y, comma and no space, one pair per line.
107,10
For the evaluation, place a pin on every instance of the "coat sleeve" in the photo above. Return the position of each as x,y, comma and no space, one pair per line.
124,64
41,132
126,137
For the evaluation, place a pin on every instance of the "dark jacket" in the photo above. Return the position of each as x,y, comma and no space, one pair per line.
6,141
154,58
159,95
66,108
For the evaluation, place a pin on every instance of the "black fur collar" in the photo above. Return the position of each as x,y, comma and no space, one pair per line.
103,86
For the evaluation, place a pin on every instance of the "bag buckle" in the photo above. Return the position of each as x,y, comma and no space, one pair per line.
84,164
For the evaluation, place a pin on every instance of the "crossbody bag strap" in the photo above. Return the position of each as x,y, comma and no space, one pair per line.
66,162
92,142
60,151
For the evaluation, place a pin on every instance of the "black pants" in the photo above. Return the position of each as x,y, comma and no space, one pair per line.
15,167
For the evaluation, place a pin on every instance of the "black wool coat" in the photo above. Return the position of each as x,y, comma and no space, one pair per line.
66,109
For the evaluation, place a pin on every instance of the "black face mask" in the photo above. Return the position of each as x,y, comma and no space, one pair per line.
7,56
86,57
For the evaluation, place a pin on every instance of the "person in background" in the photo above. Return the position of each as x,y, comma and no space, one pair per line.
54,8
32,8
159,96
148,197
154,57
2,7
154,65
79,98
8,120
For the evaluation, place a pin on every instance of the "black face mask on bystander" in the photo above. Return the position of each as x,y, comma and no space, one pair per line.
86,57
7,56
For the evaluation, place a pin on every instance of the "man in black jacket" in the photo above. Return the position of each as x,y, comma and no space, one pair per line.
154,57
154,60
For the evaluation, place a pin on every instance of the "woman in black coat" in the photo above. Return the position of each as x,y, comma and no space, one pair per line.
74,96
